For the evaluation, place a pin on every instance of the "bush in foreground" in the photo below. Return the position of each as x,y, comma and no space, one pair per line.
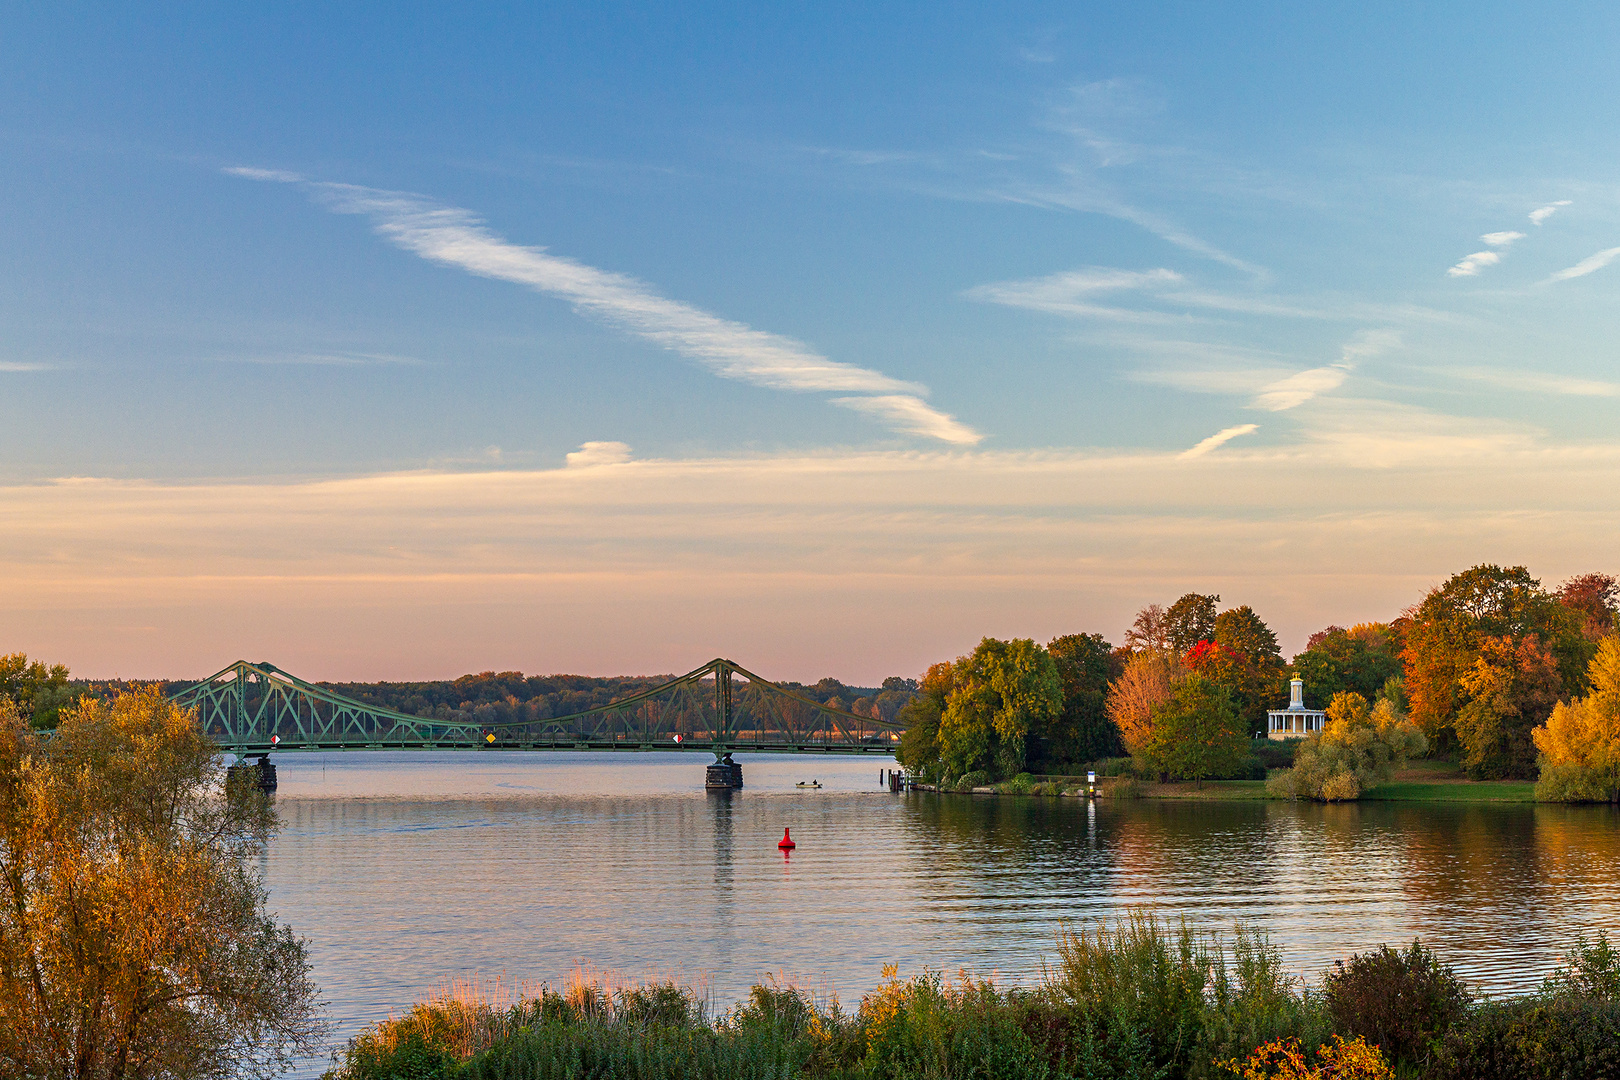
1141,998
134,940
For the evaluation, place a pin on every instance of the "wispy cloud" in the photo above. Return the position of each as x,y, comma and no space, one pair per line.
455,237
1070,292
1545,212
1164,296
1220,438
903,412
1471,265
17,365
1536,382
1300,387
334,359
1588,265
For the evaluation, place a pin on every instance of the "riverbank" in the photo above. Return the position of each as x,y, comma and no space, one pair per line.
1422,781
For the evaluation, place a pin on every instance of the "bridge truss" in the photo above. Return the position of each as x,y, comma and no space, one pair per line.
720,708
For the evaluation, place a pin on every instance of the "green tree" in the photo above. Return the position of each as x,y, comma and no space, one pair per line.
1197,733
1191,620
1260,682
1443,636
38,691
999,693
1082,732
134,940
1338,660
1359,748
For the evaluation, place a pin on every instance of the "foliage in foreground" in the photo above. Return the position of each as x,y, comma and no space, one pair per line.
133,935
1142,999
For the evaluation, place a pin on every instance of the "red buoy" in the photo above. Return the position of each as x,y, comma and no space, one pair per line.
786,843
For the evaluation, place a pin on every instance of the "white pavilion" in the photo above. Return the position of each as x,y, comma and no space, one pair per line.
1296,721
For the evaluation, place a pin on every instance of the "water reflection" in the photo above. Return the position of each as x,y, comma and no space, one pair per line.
529,865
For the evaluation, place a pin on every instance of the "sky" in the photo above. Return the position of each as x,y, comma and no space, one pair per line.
398,341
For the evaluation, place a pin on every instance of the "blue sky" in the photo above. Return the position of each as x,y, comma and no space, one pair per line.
868,331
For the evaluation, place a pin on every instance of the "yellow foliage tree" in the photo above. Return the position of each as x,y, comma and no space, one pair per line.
1580,742
1357,749
134,940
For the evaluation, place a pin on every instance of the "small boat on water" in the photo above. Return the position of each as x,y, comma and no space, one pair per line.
808,784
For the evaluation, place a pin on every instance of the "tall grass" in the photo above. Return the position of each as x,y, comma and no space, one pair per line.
1140,998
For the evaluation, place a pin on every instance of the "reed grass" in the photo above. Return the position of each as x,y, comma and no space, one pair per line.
1140,998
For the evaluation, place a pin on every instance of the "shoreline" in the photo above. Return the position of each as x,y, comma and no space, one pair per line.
1417,789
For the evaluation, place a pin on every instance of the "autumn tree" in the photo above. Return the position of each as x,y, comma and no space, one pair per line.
1148,681
998,694
1197,733
1580,743
1082,732
1595,598
1359,748
1444,634
1510,690
134,940
1191,620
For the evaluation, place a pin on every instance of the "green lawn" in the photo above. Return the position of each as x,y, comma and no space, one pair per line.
1210,789
1454,791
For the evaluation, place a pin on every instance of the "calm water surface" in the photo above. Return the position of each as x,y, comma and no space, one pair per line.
406,870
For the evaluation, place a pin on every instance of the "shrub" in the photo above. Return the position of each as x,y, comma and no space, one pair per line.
1533,1039
1022,784
1358,749
1147,999
1284,1060
1591,972
1403,1002
929,1026
1276,753
976,778
1250,768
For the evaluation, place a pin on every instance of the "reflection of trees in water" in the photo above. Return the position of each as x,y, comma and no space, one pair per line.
1188,853
1578,847
1455,858
996,836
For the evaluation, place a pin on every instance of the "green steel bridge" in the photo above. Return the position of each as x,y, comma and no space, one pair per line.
719,708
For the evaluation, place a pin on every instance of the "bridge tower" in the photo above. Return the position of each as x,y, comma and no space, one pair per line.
724,774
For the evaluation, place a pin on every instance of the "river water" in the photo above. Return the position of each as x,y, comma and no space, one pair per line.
407,870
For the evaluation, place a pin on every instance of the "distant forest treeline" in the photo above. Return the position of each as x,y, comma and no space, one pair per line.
497,697
492,697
